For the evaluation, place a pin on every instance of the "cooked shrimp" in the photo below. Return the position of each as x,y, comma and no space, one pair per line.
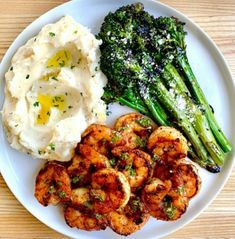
132,131
167,143
84,221
52,184
110,190
183,175
134,122
84,164
98,137
163,202
134,164
130,219
80,199
172,207
154,192
185,180
79,171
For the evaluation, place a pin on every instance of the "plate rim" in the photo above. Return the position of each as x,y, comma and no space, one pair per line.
174,11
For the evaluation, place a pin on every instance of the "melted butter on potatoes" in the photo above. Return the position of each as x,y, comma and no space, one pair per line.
53,91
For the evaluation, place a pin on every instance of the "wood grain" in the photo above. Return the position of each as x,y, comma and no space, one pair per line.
217,18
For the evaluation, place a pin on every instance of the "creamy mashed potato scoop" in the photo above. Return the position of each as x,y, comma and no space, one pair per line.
53,91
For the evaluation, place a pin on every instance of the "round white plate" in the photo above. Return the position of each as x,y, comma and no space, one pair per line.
19,170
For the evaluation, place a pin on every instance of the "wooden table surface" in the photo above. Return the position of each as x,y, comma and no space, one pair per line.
217,18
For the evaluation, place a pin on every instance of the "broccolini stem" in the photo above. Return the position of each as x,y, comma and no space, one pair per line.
134,106
198,120
156,110
198,94
168,101
209,164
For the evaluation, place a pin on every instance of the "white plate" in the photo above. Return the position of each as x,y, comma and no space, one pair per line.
19,170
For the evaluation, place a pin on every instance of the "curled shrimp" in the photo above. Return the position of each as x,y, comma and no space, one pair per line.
163,202
136,123
183,175
129,219
80,199
134,164
52,184
185,180
132,131
98,137
84,221
110,190
167,143
84,164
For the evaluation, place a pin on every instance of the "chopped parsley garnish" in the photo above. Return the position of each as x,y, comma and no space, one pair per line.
41,152
97,196
112,162
11,69
62,64
16,125
52,34
155,158
71,67
123,128
48,113
145,122
75,32
181,190
52,146
140,142
57,98
54,78
116,137
136,205
108,112
124,156
76,179
27,77
70,106
62,194
81,93
169,208
131,170
36,104
51,189
98,216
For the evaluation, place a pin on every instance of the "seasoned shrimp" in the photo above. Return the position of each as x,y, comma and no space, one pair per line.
134,164
84,164
185,180
98,137
183,175
167,143
84,221
52,184
154,192
80,199
163,202
129,219
134,122
132,131
110,190
172,207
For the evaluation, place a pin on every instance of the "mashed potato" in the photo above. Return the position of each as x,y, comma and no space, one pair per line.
53,91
